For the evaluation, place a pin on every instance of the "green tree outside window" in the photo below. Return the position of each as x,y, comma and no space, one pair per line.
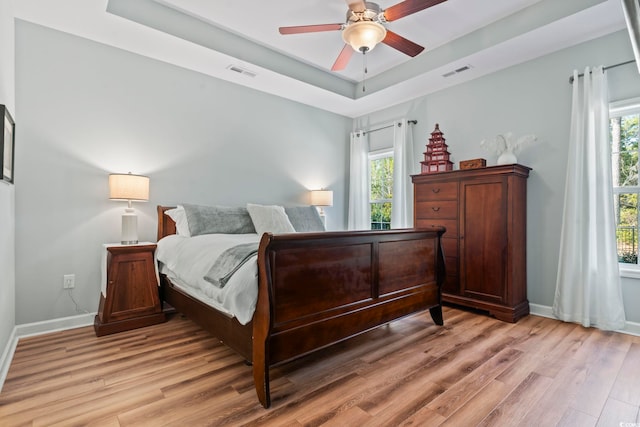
381,191
624,158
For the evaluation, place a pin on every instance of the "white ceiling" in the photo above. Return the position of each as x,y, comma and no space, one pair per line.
431,28
208,36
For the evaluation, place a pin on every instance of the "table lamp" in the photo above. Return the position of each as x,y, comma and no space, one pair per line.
130,188
321,198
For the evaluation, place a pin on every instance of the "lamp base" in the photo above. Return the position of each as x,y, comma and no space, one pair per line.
129,228
323,217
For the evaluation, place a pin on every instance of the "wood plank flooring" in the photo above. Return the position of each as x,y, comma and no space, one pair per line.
475,370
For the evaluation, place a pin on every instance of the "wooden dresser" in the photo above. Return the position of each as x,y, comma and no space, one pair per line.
484,211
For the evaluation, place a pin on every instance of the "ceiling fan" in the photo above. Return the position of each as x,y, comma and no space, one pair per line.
364,28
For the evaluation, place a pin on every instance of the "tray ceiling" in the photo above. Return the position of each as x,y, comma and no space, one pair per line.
239,41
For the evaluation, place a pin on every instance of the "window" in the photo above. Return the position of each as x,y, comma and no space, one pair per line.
381,188
624,165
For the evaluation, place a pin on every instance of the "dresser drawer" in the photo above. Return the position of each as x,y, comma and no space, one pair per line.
451,266
436,191
438,209
450,224
450,247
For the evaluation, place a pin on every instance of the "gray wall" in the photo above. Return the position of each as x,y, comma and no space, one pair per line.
88,110
7,193
534,97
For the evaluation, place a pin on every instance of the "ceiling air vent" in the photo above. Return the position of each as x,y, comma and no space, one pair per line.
457,70
241,70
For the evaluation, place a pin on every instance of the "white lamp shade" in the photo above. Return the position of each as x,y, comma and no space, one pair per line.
364,35
322,198
128,187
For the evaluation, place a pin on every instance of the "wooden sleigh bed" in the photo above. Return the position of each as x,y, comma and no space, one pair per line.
317,289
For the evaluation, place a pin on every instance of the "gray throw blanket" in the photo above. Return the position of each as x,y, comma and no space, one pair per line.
229,262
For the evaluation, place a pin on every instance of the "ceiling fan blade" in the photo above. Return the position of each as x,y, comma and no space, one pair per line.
343,58
356,5
408,7
403,45
310,28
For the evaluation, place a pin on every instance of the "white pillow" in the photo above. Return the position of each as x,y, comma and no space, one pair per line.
272,219
179,216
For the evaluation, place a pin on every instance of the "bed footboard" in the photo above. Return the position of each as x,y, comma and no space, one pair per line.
316,289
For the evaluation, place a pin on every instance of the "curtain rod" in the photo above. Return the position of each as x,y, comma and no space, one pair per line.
605,68
413,122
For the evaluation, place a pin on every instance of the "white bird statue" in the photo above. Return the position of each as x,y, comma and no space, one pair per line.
506,147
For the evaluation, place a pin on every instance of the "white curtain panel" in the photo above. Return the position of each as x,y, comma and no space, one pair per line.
403,168
359,217
631,9
588,289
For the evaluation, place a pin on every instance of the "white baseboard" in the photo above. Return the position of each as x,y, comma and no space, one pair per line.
39,328
541,310
631,328
54,325
7,356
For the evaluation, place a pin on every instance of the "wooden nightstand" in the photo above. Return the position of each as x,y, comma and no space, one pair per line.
130,298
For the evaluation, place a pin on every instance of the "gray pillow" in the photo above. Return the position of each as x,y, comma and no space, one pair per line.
305,218
271,219
218,219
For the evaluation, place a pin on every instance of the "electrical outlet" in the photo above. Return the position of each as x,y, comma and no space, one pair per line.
69,281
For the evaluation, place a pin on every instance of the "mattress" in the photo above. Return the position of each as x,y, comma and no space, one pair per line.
186,260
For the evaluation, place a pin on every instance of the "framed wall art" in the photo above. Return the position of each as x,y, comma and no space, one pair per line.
7,144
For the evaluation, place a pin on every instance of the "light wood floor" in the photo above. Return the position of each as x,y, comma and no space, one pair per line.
473,371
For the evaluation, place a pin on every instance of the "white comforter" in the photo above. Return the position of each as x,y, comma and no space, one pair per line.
186,260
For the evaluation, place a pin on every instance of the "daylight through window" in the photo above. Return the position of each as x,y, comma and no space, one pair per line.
624,165
381,189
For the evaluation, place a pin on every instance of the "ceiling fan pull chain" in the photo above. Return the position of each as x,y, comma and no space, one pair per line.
364,66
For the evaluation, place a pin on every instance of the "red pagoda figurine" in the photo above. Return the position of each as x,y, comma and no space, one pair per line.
436,158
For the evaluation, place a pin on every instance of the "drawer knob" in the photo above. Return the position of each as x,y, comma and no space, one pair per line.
435,209
435,190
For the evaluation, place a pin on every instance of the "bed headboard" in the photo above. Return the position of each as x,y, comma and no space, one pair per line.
166,226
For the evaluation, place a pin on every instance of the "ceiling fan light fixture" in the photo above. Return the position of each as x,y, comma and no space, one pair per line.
363,36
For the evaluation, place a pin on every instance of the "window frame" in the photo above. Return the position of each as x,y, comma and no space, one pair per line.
377,155
619,109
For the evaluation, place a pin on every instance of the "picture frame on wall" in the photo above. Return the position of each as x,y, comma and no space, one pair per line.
7,144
